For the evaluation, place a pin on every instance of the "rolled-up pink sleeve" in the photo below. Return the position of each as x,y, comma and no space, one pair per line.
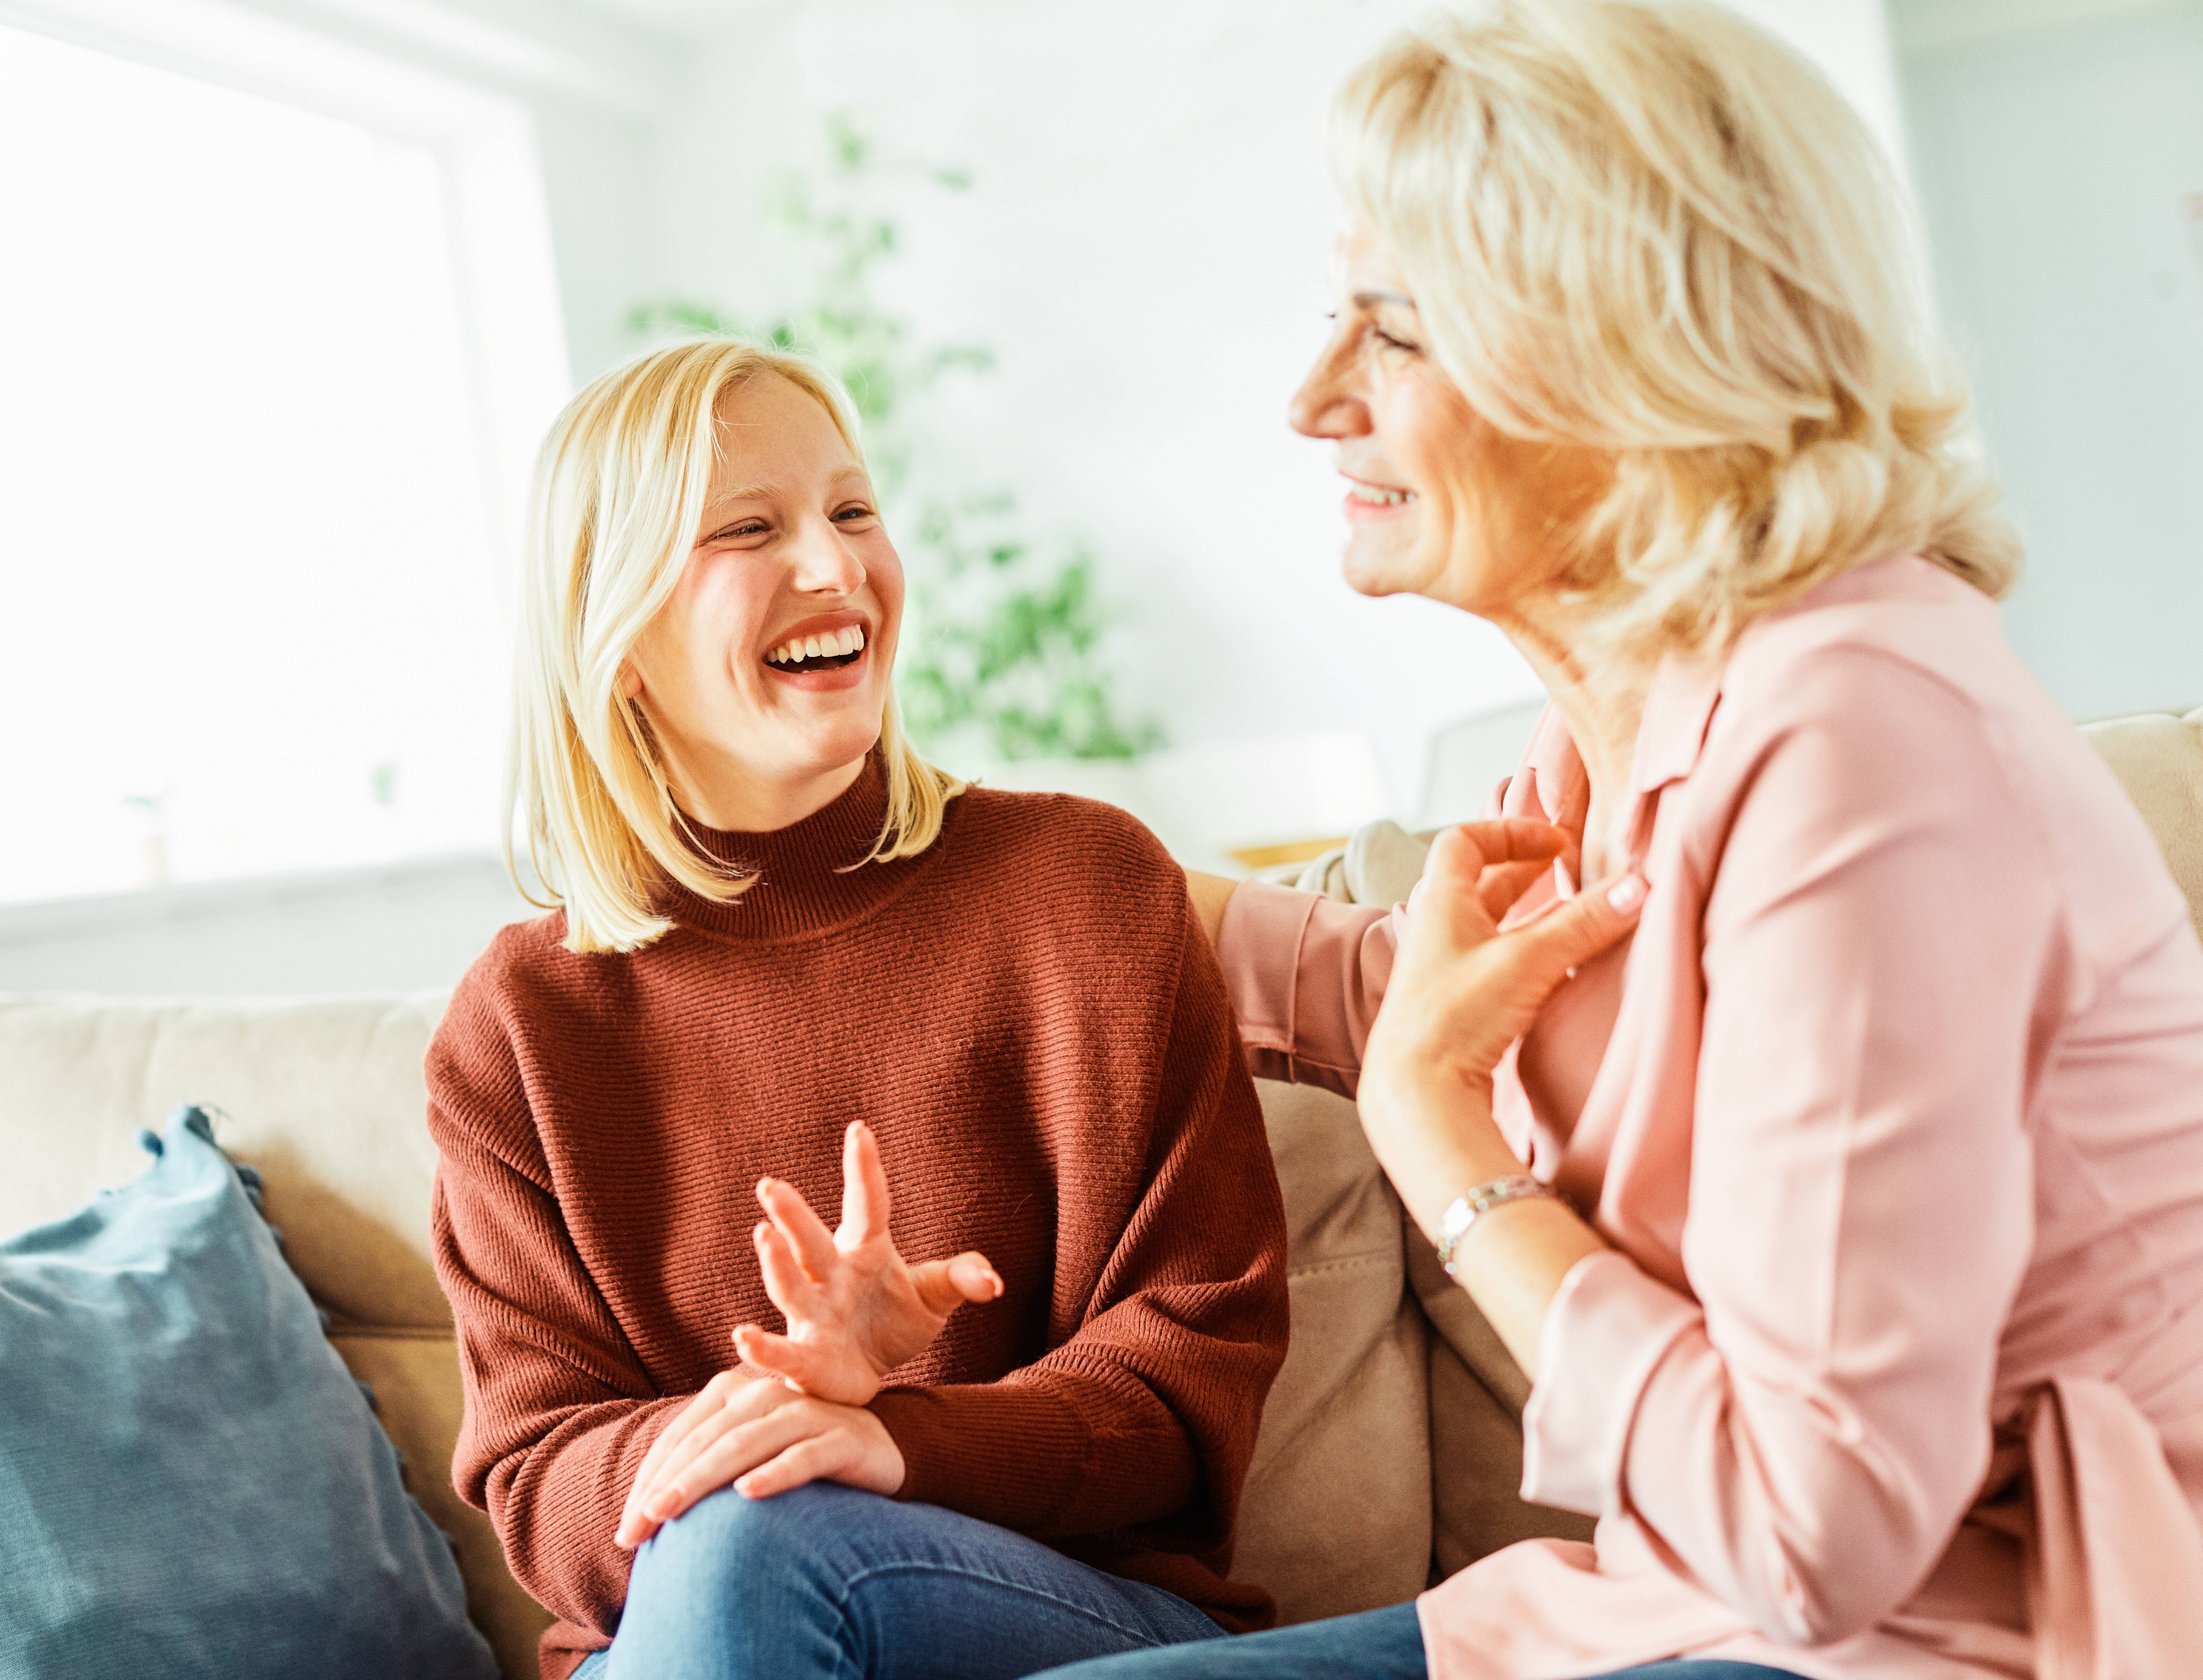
1803,1437
1306,974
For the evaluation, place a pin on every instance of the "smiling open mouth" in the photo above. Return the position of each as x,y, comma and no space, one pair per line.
829,652
1379,495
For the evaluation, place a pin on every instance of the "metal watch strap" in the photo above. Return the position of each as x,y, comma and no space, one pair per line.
1468,1209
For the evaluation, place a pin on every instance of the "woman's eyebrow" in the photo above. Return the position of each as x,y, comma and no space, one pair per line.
1366,300
748,492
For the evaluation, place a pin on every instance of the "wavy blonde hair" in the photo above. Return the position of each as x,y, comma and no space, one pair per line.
618,496
1653,230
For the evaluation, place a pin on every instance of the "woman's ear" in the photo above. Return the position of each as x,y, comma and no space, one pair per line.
630,680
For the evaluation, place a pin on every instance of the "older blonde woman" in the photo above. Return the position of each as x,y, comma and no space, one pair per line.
1849,1217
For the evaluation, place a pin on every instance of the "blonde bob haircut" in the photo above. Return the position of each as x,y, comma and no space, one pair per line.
1651,229
618,496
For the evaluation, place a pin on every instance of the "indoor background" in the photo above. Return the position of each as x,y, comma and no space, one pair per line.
290,288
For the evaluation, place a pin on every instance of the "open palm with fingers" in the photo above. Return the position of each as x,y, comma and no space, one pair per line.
855,1308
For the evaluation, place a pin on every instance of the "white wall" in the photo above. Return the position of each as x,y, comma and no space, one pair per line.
2059,150
1146,246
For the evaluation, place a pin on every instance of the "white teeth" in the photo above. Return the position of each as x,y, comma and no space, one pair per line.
834,644
1379,497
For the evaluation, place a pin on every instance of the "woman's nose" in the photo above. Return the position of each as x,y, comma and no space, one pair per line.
1325,405
825,564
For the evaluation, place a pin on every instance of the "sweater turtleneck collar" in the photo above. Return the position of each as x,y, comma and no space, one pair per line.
804,878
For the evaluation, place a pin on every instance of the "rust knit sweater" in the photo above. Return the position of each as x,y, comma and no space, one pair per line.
1032,1021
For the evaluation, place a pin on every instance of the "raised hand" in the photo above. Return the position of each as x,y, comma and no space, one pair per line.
1462,991
855,1308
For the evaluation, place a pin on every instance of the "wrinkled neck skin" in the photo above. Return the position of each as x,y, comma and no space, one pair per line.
1601,697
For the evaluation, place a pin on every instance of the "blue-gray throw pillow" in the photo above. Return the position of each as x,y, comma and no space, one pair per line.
191,1482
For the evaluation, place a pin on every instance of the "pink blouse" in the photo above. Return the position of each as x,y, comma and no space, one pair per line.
1891,1111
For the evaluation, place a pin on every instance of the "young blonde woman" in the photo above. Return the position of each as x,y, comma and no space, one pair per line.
1848,1217
790,957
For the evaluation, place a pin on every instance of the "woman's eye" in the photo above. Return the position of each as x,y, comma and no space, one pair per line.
748,528
853,514
1390,343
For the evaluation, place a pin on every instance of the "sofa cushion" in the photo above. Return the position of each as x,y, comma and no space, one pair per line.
325,1097
191,1484
2159,760
1336,1513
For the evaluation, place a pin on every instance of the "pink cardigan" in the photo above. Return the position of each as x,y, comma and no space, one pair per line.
1893,1112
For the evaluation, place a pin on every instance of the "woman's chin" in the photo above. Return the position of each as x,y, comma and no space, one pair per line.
842,741
1375,566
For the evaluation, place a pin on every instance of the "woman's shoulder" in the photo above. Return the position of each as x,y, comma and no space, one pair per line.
1898,706
1900,658
1059,836
524,972
1068,862
524,953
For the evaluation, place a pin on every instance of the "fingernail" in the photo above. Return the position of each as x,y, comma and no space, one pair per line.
995,1279
1627,893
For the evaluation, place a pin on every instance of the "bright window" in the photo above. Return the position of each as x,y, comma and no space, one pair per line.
249,619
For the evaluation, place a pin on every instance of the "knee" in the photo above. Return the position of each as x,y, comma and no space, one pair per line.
725,1539
737,1590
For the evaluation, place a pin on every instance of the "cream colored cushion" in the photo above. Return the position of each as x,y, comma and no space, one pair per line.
1337,1514
1476,1391
2160,762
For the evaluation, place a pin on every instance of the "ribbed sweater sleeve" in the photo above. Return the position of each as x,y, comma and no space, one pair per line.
1145,1417
558,1413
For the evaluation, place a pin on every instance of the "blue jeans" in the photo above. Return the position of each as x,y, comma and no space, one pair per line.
1376,1645
827,1582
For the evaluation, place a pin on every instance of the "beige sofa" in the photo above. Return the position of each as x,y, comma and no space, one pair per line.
1389,1454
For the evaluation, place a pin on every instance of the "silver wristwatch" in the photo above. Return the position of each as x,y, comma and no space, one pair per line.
1468,1209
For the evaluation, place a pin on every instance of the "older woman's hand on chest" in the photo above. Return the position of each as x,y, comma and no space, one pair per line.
1462,992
